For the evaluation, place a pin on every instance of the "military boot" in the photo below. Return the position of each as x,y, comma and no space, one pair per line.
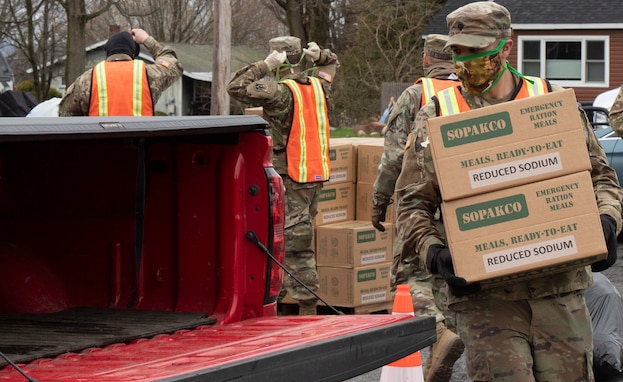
307,308
443,355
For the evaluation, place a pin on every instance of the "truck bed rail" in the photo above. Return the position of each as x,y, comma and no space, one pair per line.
284,348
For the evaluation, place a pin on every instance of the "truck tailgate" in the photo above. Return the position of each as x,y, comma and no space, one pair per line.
283,348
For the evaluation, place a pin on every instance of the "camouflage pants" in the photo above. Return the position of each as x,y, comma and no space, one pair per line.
429,292
547,339
300,259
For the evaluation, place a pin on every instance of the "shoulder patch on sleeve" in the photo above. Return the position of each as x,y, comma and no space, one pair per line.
262,89
326,76
164,63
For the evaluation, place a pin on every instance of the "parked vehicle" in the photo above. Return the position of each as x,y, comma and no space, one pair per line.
7,81
613,146
144,249
598,112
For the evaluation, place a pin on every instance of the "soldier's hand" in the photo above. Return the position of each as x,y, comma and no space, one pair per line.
139,35
274,59
609,227
439,260
378,216
312,52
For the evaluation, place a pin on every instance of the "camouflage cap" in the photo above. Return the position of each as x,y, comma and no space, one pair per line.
435,47
478,24
289,44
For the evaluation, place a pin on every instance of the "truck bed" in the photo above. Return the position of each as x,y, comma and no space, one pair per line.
284,348
26,337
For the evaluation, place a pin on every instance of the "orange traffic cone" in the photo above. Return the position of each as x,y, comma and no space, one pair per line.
409,368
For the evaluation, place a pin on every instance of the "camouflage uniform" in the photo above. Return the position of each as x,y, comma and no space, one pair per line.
427,291
529,330
616,114
249,88
399,125
162,74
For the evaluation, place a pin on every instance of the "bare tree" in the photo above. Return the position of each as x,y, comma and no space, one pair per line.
309,20
254,22
77,19
34,29
387,48
182,21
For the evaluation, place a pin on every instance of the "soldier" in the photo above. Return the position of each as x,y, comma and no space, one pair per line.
107,88
296,106
616,113
538,329
439,74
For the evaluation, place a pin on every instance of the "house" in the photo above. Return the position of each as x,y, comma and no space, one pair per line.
574,43
190,95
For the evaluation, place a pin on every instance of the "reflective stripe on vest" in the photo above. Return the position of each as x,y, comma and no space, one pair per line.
307,150
111,93
431,86
534,86
451,100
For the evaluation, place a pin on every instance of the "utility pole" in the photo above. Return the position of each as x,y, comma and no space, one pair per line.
219,103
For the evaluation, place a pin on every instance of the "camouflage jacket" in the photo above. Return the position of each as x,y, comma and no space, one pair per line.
162,74
419,198
616,114
250,87
399,125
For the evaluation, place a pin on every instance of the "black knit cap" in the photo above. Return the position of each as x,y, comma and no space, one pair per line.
122,43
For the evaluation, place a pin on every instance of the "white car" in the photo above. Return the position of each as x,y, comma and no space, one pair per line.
606,99
599,110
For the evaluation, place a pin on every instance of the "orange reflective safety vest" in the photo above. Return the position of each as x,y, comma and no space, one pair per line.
432,86
307,150
451,100
120,88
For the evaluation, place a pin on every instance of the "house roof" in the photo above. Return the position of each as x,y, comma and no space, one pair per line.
197,60
546,15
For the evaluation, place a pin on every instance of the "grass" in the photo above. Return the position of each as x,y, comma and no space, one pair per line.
345,132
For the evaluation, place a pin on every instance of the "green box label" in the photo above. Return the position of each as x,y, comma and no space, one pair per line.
329,194
366,236
332,155
366,275
492,212
476,129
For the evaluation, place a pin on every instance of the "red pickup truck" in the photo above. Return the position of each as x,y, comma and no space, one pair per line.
149,249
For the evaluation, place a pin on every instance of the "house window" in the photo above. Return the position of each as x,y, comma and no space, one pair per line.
567,61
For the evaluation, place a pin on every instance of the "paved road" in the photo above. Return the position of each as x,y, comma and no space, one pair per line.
614,274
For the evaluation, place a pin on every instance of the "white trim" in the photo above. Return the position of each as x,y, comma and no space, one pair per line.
554,26
580,38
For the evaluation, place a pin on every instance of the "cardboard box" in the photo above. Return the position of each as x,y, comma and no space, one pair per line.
355,286
525,231
254,111
336,203
363,205
353,243
368,160
343,163
507,145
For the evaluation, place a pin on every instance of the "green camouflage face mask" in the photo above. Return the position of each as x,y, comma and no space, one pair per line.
481,71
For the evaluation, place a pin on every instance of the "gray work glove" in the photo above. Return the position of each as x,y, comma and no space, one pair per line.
439,260
609,227
312,52
275,59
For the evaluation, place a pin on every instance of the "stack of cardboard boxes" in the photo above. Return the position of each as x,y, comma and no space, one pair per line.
518,200
353,258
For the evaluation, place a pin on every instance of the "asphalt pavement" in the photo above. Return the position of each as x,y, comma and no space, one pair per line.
614,274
